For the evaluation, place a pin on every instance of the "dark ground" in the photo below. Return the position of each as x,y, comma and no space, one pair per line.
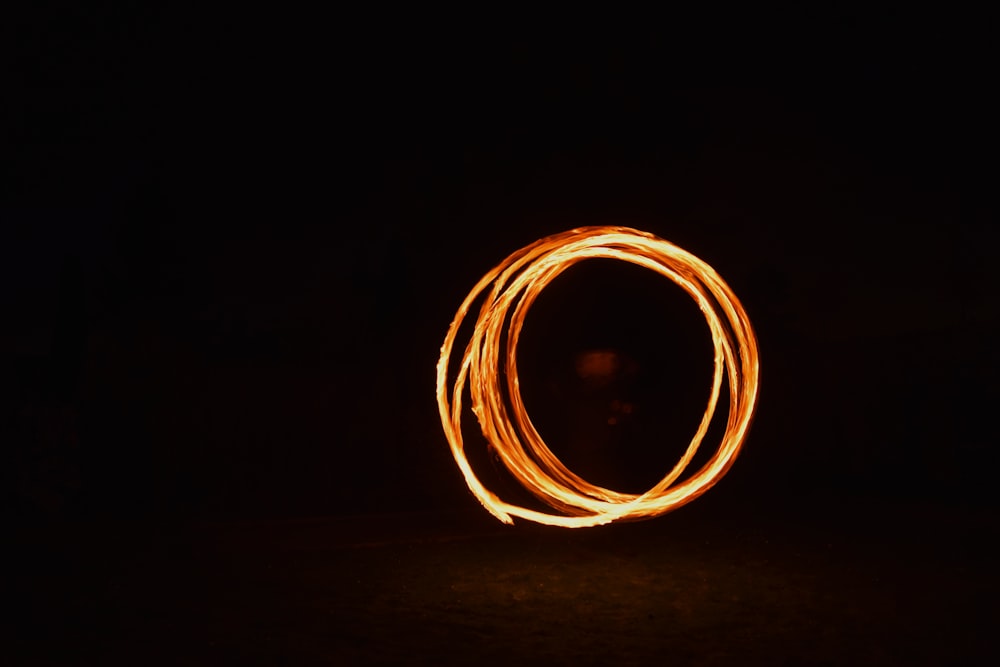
712,584
230,247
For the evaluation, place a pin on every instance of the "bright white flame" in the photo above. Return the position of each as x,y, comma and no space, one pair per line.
516,283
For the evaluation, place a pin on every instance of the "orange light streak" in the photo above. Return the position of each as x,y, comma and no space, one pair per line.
510,289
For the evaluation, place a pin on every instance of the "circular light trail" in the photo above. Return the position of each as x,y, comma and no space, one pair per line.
489,369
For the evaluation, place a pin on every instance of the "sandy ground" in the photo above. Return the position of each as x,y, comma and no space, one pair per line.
708,585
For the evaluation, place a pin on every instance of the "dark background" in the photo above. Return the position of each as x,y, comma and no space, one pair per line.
232,244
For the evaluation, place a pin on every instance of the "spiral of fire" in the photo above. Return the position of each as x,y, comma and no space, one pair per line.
489,368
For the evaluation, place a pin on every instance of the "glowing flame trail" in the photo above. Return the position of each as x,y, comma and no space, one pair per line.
516,283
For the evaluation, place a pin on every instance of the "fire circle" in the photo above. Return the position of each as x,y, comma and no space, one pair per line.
488,368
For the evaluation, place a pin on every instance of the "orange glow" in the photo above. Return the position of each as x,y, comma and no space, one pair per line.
510,289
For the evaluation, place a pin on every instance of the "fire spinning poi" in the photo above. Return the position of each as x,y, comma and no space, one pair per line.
512,286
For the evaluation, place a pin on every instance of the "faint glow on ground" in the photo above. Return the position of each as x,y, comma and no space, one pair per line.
489,369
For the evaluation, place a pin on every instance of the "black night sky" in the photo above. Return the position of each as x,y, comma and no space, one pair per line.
230,250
